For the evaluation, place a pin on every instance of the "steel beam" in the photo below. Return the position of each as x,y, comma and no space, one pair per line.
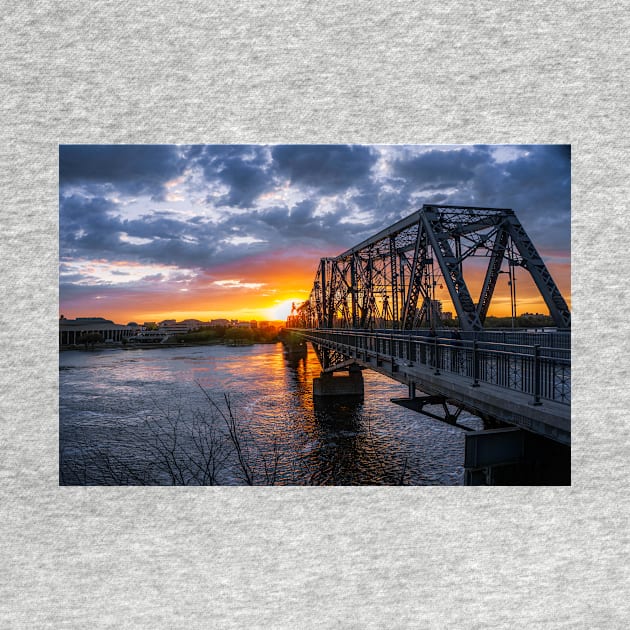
532,261
379,283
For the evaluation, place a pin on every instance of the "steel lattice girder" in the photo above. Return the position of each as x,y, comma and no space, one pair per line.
387,280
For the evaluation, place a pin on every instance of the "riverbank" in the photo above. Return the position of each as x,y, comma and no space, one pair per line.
149,345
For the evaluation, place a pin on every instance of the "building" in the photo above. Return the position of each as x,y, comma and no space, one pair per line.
71,330
220,322
436,310
193,324
171,327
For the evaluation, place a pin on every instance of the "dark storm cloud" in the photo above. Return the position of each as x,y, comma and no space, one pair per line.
86,224
246,182
127,169
440,169
536,185
243,169
175,252
326,168
161,226
301,225
360,200
75,210
385,204
91,228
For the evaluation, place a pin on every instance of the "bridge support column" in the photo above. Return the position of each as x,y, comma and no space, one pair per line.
329,385
293,344
511,456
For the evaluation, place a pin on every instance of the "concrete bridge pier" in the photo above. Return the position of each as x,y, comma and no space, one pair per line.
511,456
292,341
331,385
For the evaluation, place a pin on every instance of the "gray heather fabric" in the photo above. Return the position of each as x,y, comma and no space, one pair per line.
395,72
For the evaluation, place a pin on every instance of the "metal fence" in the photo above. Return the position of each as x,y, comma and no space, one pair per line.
544,372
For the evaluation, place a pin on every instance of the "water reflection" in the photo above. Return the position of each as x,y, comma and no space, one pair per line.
347,451
123,408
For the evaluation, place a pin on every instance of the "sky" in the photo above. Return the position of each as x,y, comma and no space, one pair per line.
154,232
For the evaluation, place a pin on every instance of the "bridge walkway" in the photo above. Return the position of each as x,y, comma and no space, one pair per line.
526,386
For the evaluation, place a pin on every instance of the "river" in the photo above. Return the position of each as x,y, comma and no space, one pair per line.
238,415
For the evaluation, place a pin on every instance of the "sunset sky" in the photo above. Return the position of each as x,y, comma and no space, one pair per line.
152,232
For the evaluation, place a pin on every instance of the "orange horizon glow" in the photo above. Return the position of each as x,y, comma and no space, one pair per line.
268,291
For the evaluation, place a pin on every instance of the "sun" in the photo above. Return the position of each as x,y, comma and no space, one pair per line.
283,309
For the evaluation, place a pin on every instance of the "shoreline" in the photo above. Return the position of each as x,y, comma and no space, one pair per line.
151,346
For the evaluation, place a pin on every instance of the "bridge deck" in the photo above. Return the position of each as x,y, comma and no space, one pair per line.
449,369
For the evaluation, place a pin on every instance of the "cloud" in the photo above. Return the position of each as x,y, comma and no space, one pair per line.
535,181
327,169
439,169
245,181
156,277
238,284
88,225
537,185
241,170
242,240
125,169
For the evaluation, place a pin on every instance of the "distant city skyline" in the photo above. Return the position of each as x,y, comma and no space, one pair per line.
63,319
155,232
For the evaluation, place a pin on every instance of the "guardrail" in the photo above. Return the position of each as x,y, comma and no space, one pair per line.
540,371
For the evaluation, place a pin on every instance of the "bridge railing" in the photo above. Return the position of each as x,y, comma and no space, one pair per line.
542,372
524,337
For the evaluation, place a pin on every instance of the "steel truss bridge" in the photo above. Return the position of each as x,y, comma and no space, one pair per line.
374,306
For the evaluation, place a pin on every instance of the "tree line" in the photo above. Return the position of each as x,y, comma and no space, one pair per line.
231,335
